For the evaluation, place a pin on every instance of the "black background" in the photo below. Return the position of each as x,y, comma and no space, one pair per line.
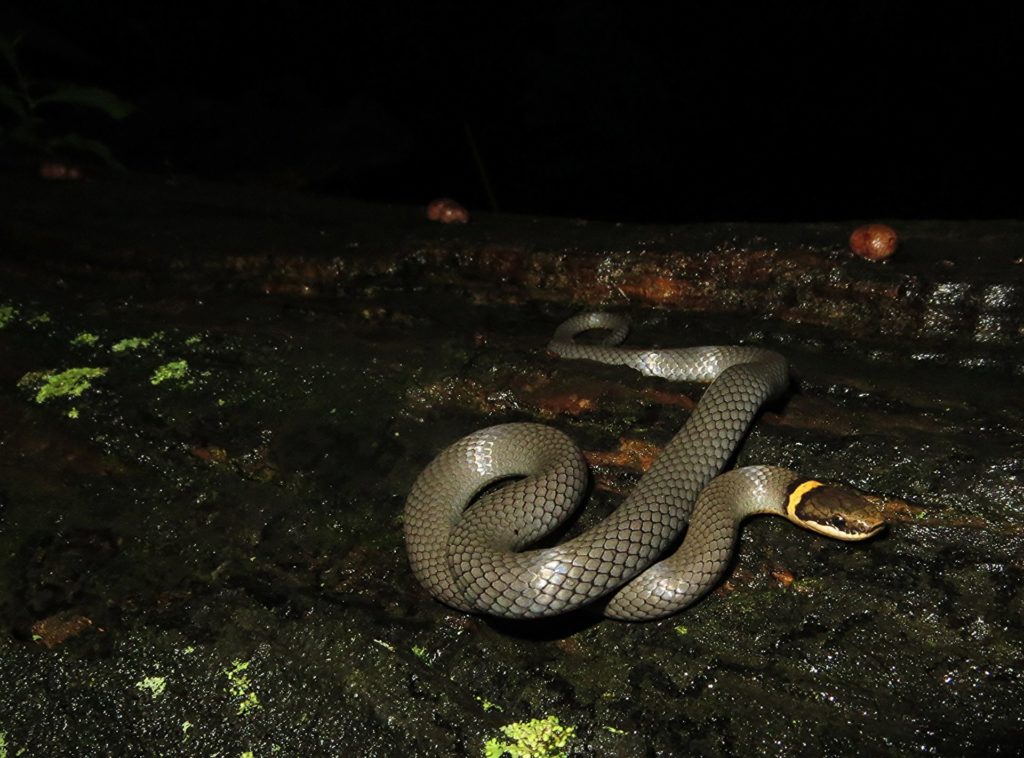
666,113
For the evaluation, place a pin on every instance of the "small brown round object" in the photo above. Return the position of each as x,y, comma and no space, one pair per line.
447,211
59,170
876,242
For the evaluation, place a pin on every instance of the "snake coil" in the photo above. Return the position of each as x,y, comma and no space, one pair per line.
474,559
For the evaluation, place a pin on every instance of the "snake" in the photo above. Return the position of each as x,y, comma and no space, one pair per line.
475,509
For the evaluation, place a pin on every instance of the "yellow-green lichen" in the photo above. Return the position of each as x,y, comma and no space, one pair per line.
172,370
70,383
240,687
39,318
7,315
4,745
154,685
85,339
487,705
135,343
539,738
681,630
421,653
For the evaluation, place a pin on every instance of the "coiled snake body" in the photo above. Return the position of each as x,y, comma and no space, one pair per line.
473,559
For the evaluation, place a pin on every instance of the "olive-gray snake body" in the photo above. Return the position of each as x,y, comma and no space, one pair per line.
474,559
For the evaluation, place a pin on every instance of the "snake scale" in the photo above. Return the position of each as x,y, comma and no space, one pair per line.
474,559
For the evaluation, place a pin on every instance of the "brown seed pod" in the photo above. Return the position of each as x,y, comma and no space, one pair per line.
447,211
876,242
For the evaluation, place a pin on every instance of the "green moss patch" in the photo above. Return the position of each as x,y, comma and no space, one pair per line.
240,687
135,343
154,685
70,383
172,370
85,339
7,315
539,738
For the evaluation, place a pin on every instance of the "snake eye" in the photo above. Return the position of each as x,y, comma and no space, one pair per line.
838,521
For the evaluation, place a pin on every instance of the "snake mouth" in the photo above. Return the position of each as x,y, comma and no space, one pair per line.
863,531
876,529
843,531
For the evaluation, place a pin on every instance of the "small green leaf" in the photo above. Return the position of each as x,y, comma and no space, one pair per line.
9,50
13,101
25,132
90,97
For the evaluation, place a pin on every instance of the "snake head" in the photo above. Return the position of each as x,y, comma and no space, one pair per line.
835,510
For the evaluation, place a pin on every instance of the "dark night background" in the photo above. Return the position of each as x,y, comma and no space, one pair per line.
574,109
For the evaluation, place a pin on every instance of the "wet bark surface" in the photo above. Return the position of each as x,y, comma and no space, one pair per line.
214,400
